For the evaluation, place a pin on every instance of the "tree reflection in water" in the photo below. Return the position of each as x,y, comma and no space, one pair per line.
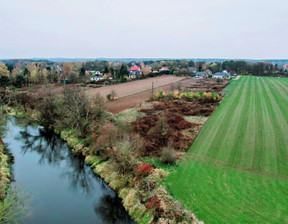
111,210
52,151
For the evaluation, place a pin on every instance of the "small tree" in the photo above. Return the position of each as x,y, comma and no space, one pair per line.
15,207
168,155
81,113
20,81
4,80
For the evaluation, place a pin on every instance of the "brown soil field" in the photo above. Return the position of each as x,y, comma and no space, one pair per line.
129,88
194,85
131,101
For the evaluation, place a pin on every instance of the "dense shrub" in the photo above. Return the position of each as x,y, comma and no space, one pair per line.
154,203
144,169
163,96
81,113
168,155
48,110
4,80
160,129
111,96
123,156
108,138
25,100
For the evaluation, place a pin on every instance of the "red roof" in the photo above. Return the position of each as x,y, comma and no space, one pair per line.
164,68
286,66
135,68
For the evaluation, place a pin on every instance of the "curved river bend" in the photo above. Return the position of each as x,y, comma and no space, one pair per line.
62,187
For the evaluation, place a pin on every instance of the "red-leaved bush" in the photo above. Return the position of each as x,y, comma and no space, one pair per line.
144,169
154,203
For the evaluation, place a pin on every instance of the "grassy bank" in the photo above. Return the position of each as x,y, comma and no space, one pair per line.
236,171
129,188
141,190
4,173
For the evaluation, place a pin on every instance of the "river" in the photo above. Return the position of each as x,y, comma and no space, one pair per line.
62,188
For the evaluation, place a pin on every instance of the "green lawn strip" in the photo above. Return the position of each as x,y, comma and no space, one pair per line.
222,141
209,131
259,151
249,143
268,135
220,195
280,126
283,88
221,192
234,148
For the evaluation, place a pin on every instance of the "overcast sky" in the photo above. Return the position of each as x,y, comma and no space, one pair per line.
152,28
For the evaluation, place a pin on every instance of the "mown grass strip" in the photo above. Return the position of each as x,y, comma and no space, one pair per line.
236,170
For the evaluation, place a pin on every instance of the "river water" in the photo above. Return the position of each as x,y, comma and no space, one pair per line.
62,188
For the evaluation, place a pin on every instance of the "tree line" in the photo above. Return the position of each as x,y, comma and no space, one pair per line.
21,73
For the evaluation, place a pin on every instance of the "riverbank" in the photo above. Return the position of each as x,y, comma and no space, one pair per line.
4,172
143,195
116,148
130,191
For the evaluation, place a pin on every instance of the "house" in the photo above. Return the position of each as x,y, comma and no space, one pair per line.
135,71
193,69
206,74
96,78
94,73
222,75
285,68
164,69
199,74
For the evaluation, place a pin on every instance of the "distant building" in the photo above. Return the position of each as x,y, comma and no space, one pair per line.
193,69
135,71
199,74
285,67
94,73
96,78
164,69
206,74
222,75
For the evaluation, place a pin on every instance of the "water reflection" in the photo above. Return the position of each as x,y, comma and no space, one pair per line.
50,152
108,212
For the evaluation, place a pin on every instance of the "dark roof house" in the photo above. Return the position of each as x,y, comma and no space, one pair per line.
222,75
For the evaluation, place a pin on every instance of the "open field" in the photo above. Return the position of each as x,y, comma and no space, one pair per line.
236,171
129,88
135,99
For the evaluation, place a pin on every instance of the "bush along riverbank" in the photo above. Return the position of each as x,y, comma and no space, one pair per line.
4,172
111,147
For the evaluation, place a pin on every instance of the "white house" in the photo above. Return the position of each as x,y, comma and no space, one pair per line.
96,78
222,75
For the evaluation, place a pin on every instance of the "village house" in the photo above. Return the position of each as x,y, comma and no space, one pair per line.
95,75
206,74
164,69
193,69
222,75
135,71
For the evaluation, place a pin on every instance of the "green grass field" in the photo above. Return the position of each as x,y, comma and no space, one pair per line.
237,169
